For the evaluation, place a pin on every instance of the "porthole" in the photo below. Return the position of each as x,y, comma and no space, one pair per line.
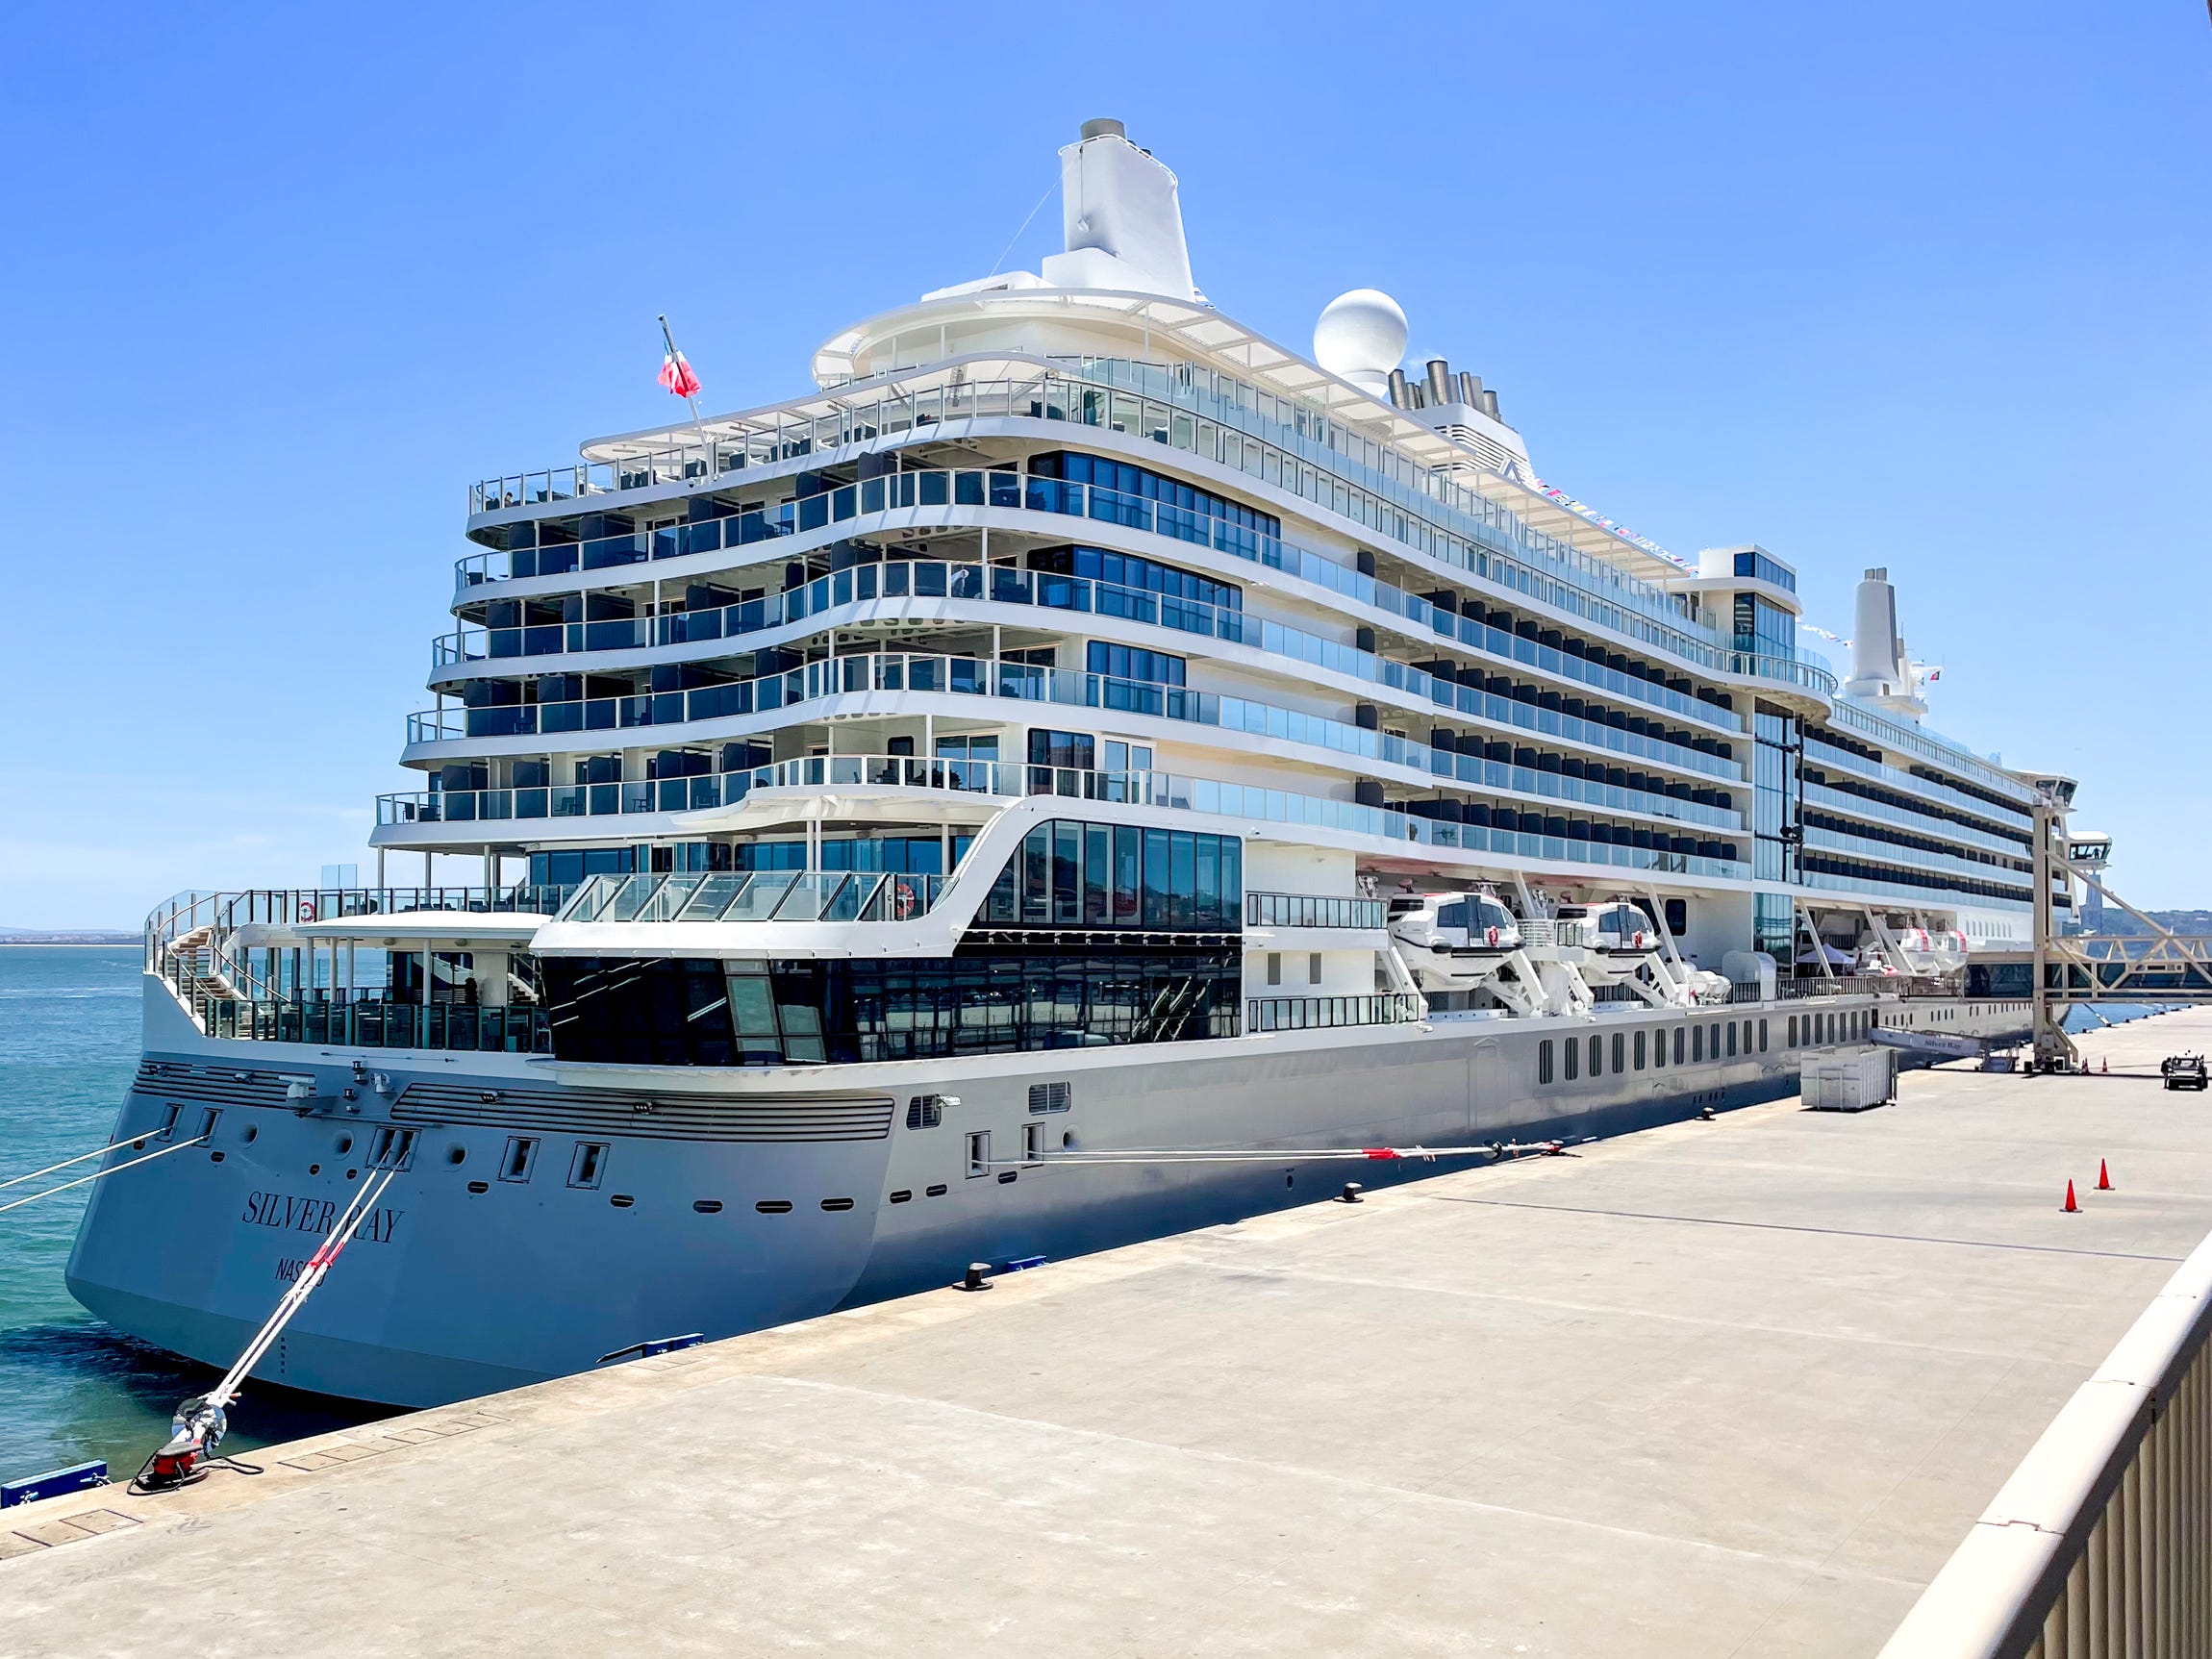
837,1203
351,1174
904,1195
621,1200
214,1157
706,1206
1005,1177
480,1186
936,1191
314,1168
774,1206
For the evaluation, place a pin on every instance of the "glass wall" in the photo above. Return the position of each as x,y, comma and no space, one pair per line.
1071,874
1777,754
659,1011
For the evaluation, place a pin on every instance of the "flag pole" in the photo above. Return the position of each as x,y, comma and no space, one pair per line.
669,341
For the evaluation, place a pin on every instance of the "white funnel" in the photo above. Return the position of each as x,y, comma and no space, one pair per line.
1878,671
1120,218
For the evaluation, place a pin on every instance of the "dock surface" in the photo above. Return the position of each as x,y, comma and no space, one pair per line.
1726,1387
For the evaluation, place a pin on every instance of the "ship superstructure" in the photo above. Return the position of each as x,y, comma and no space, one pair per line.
1078,723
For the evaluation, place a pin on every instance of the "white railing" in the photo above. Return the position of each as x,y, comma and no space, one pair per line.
2101,1541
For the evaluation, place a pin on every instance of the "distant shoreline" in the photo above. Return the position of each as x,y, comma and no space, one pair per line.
69,944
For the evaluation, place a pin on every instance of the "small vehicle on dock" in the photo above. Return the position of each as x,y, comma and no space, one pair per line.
2182,1072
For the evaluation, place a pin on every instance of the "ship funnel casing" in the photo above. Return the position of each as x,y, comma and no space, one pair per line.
1122,219
1876,671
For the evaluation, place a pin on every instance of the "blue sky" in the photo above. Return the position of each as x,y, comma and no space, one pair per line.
1922,286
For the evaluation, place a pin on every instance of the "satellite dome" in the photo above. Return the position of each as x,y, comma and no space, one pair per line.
1361,335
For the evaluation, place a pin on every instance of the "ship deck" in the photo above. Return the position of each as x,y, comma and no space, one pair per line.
1721,1388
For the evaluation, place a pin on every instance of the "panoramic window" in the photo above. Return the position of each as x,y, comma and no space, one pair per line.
1072,875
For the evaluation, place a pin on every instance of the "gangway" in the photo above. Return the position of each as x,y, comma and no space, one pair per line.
2063,969
1938,1044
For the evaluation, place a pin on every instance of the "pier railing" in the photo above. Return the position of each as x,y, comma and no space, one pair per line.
2101,1543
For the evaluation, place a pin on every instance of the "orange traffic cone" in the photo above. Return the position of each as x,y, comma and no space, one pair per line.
2070,1207
2103,1178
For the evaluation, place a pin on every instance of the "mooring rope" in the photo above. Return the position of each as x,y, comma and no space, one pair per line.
99,1174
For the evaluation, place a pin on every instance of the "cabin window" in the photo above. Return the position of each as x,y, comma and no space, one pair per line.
1543,1061
1620,1052
1762,1036
1697,1044
1274,968
1598,1057
1677,1045
1731,1040
1639,1041
1314,968
1573,1048
1792,1031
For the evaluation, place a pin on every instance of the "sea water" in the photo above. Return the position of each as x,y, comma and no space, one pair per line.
72,1387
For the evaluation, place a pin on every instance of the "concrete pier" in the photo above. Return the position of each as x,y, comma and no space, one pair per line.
1728,1388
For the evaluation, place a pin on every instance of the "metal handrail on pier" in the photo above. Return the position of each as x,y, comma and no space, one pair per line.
2100,1543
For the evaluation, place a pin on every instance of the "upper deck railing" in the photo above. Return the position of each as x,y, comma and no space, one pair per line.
999,584
758,895
980,677
1003,488
1552,836
1288,447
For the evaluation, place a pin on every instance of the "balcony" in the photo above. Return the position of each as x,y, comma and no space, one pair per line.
1659,853
1009,489
974,676
374,1022
1213,414
1311,910
1325,1013
869,584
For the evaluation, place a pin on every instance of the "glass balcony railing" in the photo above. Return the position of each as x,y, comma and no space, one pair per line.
1321,1012
1849,805
1655,849
1875,851
833,511
1311,910
1285,444
975,676
1824,756
763,896
1938,750
376,1021
867,584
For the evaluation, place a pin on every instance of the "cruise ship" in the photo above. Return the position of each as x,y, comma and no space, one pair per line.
1077,771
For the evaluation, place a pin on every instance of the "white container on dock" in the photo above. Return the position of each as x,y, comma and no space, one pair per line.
1850,1082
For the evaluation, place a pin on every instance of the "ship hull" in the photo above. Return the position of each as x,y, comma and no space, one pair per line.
709,1210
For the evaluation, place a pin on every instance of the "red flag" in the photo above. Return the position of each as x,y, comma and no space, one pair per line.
677,376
